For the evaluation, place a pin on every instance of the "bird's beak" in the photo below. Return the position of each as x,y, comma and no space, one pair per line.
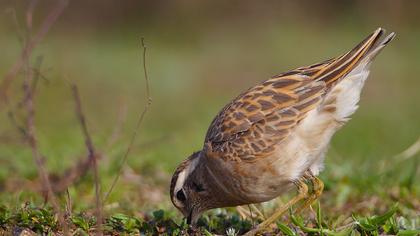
189,217
193,217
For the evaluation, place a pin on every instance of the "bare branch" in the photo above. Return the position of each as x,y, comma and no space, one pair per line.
71,175
32,43
36,76
139,122
23,38
92,156
29,131
34,81
19,32
82,120
12,109
29,16
13,120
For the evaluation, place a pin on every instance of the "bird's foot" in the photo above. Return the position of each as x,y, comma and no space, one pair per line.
302,194
317,188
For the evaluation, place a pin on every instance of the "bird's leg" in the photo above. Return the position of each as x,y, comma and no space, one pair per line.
302,194
252,217
249,214
242,212
317,188
260,215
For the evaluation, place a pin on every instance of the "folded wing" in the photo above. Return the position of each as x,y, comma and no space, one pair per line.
251,125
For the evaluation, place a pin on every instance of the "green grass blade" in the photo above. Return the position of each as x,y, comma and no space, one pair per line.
285,229
380,220
408,232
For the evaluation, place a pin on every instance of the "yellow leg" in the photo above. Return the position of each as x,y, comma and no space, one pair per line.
317,188
260,215
302,193
245,214
242,212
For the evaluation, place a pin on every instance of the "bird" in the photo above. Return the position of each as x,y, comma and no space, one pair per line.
274,137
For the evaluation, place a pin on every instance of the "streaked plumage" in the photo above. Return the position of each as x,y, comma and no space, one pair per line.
267,137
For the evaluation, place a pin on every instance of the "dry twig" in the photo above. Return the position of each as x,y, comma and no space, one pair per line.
29,92
71,175
92,155
138,124
32,43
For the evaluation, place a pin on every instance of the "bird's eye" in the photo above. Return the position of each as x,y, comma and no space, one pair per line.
181,196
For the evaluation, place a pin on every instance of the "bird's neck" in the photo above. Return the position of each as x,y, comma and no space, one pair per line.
220,193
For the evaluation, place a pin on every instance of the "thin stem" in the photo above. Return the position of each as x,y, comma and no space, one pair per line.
92,156
138,124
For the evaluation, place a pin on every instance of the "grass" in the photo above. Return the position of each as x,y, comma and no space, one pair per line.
43,221
192,77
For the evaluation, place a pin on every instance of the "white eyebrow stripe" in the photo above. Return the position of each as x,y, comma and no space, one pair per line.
184,174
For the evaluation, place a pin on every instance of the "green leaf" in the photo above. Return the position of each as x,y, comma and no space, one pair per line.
344,232
372,224
80,222
159,215
319,215
4,216
391,226
408,232
207,233
285,229
380,220
366,225
297,221
80,232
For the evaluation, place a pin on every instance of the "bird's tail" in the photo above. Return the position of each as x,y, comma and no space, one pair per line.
364,52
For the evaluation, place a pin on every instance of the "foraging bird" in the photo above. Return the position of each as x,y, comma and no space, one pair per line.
274,136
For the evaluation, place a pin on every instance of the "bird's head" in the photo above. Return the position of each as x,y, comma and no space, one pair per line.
188,190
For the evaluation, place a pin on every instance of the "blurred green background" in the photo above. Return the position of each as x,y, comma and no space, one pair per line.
201,55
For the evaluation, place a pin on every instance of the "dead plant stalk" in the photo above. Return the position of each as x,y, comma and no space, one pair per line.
92,156
29,104
138,124
31,43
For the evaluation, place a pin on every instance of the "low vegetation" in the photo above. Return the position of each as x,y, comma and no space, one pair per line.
41,220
